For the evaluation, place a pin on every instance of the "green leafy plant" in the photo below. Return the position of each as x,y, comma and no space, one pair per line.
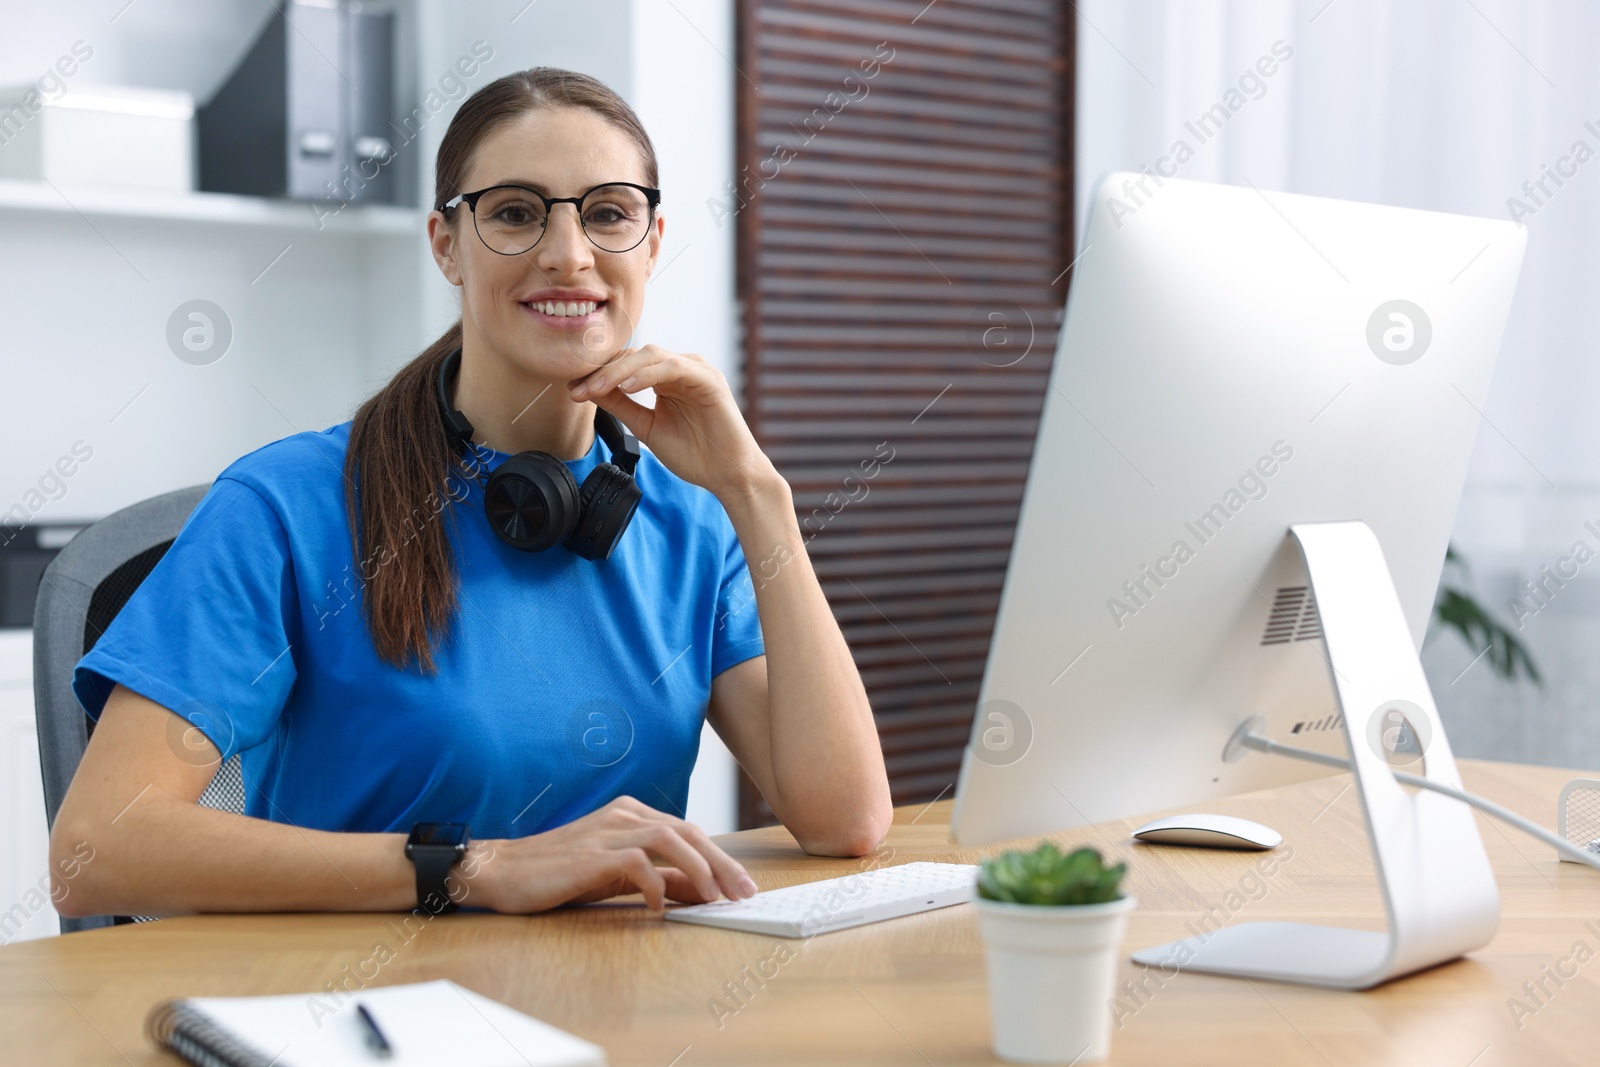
1457,609
1048,876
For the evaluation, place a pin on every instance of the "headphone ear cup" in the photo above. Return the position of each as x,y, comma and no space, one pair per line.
607,502
531,501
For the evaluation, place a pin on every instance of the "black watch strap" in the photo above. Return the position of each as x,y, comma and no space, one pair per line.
433,867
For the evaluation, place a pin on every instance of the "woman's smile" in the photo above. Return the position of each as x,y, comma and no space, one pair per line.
565,309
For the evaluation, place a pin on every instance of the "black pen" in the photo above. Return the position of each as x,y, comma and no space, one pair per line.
376,1042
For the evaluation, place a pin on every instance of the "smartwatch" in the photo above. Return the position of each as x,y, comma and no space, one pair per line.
433,848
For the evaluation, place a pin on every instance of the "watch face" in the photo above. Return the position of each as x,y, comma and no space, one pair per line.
438,835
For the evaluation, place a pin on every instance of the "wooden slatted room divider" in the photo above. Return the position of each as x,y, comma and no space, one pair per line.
904,217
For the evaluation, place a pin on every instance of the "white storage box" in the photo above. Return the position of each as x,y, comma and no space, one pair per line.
138,138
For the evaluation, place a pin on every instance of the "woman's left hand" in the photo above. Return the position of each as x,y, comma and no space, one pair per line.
695,429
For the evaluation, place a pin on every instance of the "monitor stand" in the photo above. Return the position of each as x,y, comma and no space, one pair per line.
1438,889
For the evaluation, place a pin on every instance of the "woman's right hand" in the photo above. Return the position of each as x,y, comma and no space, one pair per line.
606,853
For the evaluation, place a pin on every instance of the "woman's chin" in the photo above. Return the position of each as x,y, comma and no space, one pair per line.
586,354
528,340
537,356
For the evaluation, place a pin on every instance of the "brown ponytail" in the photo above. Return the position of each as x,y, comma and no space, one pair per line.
398,468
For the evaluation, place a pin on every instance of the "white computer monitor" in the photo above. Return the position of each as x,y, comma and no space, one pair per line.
1233,361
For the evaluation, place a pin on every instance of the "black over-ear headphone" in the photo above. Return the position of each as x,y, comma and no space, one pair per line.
532,501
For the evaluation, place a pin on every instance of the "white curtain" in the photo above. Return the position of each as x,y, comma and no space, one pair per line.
1465,106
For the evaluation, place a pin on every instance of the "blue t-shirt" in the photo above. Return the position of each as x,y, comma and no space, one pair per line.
562,684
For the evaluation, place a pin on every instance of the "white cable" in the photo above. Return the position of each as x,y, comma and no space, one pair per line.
1488,807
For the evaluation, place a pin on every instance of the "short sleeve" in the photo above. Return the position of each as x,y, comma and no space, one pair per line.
208,633
738,630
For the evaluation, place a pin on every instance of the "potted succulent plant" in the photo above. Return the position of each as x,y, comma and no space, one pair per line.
1051,925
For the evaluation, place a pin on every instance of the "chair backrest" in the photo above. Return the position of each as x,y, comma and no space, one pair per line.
82,590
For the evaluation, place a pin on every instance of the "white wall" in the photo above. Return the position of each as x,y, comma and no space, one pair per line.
25,908
1440,105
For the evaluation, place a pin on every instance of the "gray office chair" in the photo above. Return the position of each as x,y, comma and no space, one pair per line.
81,592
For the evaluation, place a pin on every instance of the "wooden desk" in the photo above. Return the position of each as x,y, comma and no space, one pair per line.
910,991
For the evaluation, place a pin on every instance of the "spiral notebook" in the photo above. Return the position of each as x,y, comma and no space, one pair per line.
427,1024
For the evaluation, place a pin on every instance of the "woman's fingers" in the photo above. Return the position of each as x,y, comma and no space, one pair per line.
653,375
617,849
624,367
615,886
646,367
665,843
635,865
681,887
624,363
634,415
733,879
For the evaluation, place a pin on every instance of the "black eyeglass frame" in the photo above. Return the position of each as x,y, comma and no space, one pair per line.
651,196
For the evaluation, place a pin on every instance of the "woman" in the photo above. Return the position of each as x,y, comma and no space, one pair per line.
339,610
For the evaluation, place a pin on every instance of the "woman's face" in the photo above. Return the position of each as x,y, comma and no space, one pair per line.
505,298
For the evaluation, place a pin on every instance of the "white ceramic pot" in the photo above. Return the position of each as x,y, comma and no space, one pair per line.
1052,972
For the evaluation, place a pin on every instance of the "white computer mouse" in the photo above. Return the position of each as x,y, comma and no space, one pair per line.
1209,831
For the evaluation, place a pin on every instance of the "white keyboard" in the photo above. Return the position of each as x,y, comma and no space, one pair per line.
840,903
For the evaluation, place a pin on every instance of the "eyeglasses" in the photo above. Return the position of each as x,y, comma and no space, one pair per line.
510,219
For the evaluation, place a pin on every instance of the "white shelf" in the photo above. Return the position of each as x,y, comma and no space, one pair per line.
224,209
